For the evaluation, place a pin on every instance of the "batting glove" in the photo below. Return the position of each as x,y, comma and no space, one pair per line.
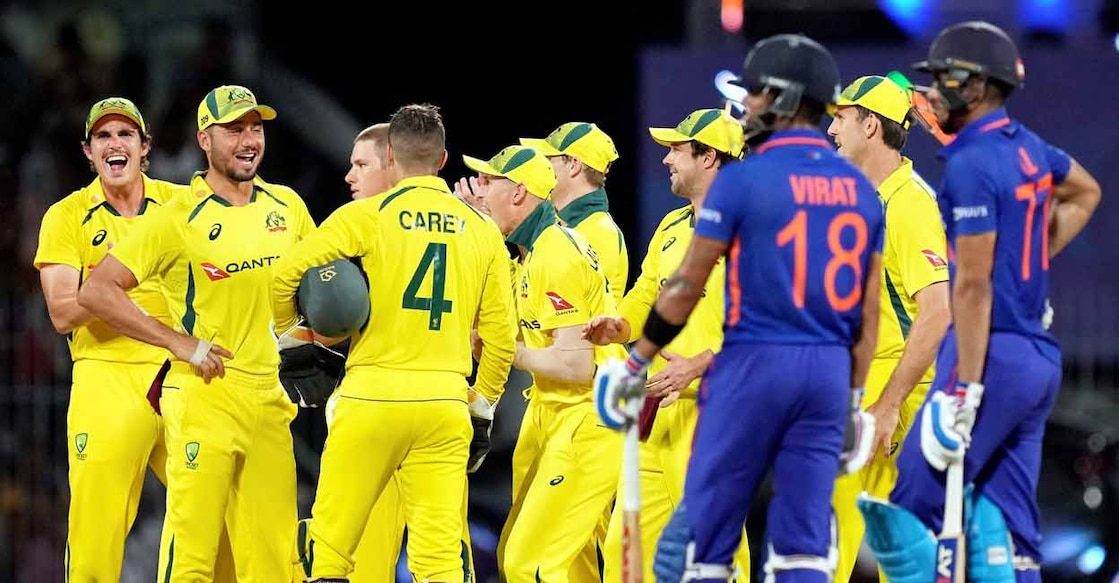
858,436
619,390
946,424
481,417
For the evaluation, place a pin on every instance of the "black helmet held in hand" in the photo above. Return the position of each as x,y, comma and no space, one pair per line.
978,48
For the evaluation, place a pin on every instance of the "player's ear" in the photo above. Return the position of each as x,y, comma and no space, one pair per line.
442,161
203,137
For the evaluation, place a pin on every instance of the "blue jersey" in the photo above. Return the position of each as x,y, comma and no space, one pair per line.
802,223
998,179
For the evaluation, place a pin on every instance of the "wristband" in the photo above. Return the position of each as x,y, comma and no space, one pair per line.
636,364
659,331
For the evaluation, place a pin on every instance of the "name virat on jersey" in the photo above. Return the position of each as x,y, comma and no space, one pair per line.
824,190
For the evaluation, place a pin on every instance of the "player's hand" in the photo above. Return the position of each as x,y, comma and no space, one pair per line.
467,189
619,390
946,423
886,420
481,417
310,373
675,377
603,330
858,436
476,345
206,357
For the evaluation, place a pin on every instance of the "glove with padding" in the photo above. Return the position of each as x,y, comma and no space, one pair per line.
481,417
946,423
619,390
309,371
858,436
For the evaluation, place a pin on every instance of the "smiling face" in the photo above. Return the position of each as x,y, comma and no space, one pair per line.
235,149
684,169
116,148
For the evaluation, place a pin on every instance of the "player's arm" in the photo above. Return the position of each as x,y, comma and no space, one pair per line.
105,295
632,311
60,288
570,358
971,302
862,351
1077,197
497,326
339,236
680,294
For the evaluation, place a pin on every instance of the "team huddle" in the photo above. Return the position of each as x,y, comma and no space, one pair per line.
877,346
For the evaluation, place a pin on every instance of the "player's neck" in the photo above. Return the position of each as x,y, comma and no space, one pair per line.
126,199
236,193
563,197
880,163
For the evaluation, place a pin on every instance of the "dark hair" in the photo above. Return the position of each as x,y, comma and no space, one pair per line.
810,111
699,149
893,134
417,137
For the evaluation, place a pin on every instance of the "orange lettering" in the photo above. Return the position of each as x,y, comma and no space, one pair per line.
799,184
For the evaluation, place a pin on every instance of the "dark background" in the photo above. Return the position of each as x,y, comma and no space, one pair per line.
499,71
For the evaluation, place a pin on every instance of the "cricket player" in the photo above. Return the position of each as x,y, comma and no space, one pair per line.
870,127
800,229
999,181
581,155
702,144
230,460
113,433
404,407
565,465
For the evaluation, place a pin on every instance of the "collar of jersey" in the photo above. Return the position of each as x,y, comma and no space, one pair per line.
529,231
425,181
895,180
992,121
98,196
797,137
203,190
583,207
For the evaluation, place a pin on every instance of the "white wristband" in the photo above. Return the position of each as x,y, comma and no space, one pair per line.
200,353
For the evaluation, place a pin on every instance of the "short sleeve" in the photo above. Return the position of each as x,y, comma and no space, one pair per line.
152,246
917,240
1059,162
563,296
718,219
58,239
970,196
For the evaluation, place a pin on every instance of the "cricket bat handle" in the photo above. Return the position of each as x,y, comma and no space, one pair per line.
632,569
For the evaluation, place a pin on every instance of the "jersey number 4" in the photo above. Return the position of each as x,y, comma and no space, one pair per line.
435,261
796,232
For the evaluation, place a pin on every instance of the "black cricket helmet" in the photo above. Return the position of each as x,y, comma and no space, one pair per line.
976,48
795,65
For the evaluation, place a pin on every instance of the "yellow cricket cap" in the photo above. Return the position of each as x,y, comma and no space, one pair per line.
878,94
711,127
114,105
520,164
580,140
228,103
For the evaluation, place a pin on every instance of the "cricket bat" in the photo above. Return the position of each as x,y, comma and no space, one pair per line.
951,544
632,569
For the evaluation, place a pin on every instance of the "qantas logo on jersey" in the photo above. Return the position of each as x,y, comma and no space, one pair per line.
561,305
933,258
213,272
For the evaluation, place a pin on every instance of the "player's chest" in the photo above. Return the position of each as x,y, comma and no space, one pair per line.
238,242
101,233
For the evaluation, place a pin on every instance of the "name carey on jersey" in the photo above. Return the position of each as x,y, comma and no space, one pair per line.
431,221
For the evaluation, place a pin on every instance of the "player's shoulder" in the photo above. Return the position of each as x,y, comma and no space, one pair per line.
672,218
558,240
76,204
285,195
162,191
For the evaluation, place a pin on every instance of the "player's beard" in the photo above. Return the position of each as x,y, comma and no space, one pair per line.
237,174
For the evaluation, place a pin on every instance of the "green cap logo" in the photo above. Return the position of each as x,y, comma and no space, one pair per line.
192,451
80,440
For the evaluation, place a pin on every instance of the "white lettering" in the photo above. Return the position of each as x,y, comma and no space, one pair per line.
706,214
968,212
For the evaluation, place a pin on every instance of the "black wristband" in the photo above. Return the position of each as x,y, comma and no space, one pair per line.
659,331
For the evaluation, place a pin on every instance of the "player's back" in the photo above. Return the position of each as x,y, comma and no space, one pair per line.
802,224
427,266
999,178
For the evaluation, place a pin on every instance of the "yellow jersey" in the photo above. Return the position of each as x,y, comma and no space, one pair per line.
590,216
559,284
79,231
215,260
704,329
913,256
434,264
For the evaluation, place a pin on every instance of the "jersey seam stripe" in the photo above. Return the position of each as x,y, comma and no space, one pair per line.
687,213
189,315
393,197
904,322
